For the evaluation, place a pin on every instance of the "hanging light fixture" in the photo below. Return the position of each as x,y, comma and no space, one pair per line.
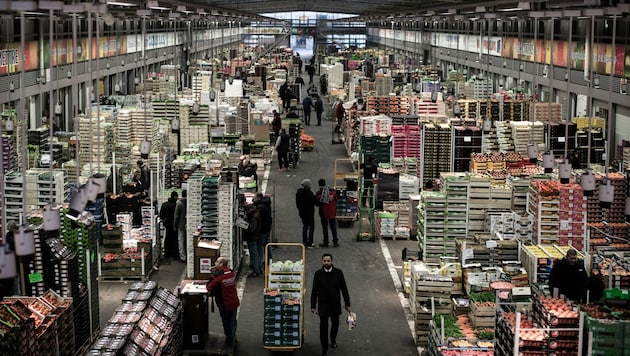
9,125
548,161
8,267
175,125
587,181
532,152
606,194
100,180
78,203
564,171
487,126
91,189
52,218
24,241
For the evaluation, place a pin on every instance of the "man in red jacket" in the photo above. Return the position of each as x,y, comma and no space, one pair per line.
326,199
223,287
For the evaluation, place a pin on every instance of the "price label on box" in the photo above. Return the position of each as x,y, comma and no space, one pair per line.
205,265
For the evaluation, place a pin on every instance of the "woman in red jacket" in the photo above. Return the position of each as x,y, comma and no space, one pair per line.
223,287
326,199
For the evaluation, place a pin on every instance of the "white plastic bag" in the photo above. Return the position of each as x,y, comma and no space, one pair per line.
351,320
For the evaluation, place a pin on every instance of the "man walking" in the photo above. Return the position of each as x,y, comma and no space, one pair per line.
329,285
167,215
310,69
319,109
282,146
263,204
252,236
179,221
326,199
223,287
305,201
307,104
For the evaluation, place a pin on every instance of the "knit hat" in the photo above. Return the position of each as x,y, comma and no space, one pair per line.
306,183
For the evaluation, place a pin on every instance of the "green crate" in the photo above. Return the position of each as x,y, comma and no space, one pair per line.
616,294
272,341
291,341
605,329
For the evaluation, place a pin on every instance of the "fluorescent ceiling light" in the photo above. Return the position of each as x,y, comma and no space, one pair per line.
480,9
120,3
152,4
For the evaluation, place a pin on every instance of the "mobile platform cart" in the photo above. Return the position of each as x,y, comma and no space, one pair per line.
284,299
346,185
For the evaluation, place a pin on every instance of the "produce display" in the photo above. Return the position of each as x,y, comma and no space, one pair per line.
148,321
459,337
30,325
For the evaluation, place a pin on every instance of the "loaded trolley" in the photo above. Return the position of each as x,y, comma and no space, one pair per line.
284,298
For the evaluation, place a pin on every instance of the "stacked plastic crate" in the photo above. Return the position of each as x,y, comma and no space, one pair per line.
227,215
572,215
193,216
436,154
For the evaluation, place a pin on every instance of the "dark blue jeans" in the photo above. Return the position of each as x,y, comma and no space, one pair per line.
229,325
265,240
256,255
308,229
333,228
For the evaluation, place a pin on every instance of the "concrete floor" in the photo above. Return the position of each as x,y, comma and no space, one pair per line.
373,271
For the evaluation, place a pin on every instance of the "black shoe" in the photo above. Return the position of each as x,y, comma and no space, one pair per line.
323,245
336,245
333,345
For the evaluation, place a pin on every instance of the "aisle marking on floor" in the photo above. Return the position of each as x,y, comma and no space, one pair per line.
404,302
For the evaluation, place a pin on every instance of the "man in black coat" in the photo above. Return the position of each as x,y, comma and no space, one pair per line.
282,146
167,214
310,69
305,202
569,276
329,285
263,204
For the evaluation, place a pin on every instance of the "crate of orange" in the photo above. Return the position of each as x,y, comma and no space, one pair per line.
308,142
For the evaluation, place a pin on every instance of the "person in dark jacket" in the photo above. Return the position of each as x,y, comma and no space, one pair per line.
276,123
252,236
223,287
292,114
180,224
263,204
307,105
285,95
305,202
319,109
145,174
329,285
167,214
310,69
282,146
340,112
569,276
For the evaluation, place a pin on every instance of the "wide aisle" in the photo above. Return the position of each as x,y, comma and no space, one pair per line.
382,327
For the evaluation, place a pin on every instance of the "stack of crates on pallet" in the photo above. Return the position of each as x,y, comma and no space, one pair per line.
430,294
